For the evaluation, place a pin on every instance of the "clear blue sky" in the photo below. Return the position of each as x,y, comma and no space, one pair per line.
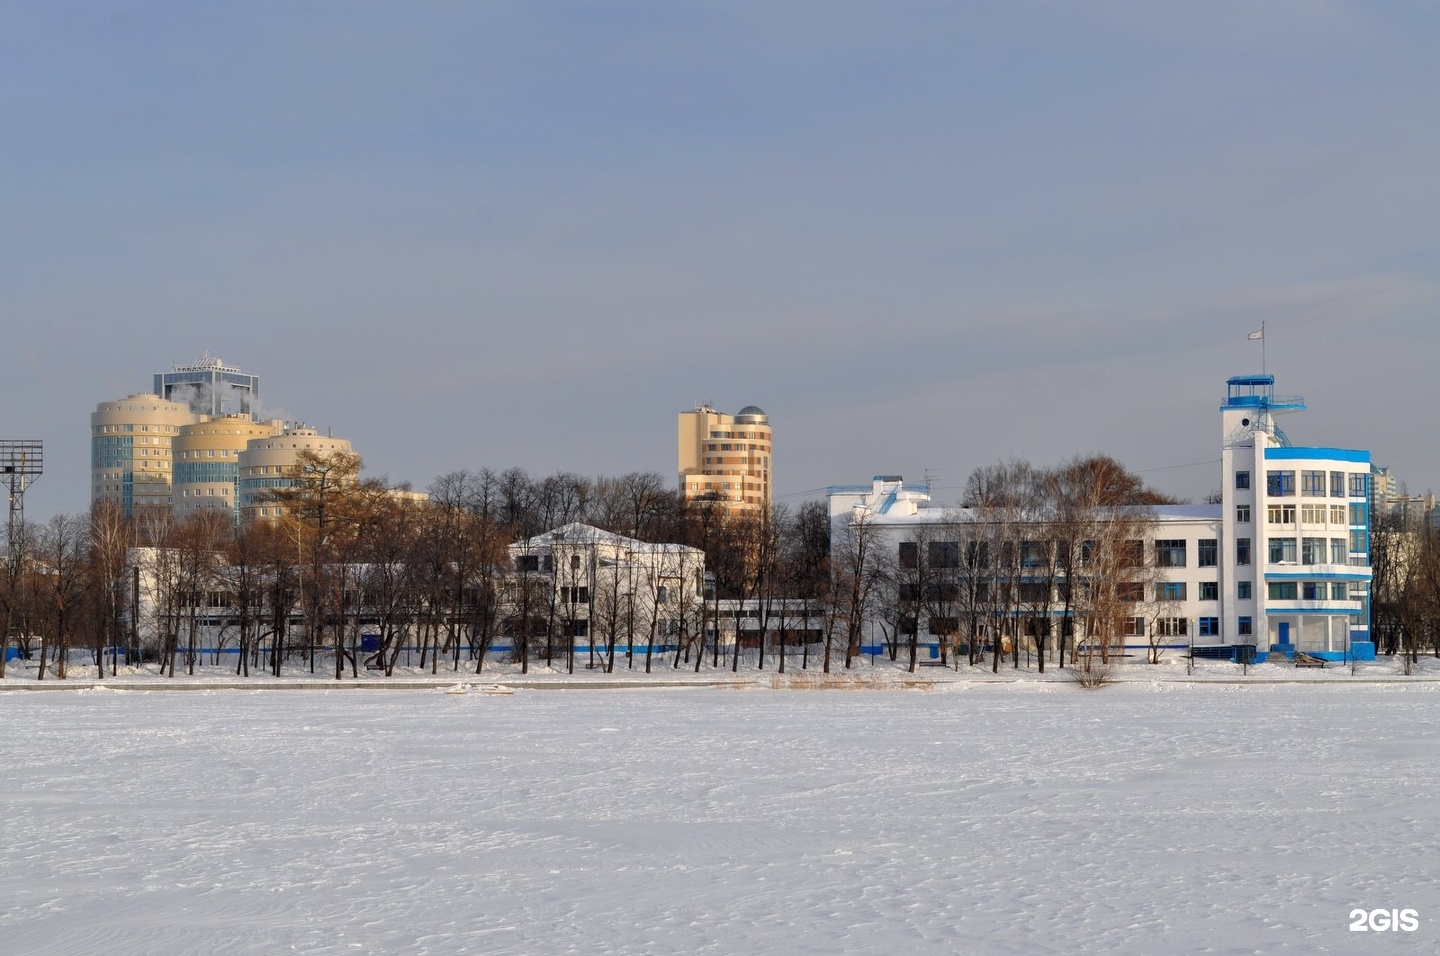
922,236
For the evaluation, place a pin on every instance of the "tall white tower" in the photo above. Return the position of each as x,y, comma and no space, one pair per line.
1295,553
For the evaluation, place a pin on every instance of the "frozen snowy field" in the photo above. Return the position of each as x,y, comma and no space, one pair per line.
1031,818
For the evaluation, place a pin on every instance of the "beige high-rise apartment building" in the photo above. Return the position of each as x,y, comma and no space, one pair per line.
268,464
131,451
207,462
726,458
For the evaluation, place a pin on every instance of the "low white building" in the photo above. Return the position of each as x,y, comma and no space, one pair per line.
1281,565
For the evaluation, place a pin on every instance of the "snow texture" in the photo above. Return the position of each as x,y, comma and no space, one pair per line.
1023,818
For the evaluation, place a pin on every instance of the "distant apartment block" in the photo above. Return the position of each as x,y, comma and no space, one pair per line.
1393,507
194,445
726,458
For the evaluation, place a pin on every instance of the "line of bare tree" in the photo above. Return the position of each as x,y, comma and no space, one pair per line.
355,576
1405,587
1045,562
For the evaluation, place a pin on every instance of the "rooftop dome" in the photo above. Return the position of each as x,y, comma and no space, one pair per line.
752,415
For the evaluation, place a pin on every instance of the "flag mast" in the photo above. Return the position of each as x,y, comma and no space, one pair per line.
1260,335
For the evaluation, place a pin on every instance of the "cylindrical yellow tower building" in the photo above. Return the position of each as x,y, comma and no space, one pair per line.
268,465
131,444
207,462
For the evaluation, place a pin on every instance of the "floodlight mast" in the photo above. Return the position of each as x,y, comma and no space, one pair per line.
21,462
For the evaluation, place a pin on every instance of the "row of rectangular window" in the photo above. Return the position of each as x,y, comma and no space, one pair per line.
1355,515
1309,591
128,429
1179,591
1281,483
1174,627
1208,626
1169,553
1040,592
1313,550
1180,627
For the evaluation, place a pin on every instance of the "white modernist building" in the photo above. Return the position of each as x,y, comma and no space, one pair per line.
601,590
1281,565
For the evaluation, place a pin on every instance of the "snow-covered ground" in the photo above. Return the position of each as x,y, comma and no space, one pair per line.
1030,817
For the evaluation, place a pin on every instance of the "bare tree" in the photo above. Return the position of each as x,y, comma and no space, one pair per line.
1426,591
280,552
60,584
244,573
1405,586
915,590
802,572
515,506
1392,551
321,505
111,534
611,607
1002,495
558,500
195,545
707,528
529,601
479,578
857,573
1110,514
469,543
14,608
391,571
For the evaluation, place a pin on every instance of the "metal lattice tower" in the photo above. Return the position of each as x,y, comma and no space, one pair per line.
21,462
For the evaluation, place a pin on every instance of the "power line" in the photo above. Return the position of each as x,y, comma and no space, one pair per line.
802,494
1191,464
933,488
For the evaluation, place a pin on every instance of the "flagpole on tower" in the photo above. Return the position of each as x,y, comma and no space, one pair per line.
1260,335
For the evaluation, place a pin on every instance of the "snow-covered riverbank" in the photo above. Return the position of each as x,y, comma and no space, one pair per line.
878,672
977,818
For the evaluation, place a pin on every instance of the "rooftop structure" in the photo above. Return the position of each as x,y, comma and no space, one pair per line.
210,387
